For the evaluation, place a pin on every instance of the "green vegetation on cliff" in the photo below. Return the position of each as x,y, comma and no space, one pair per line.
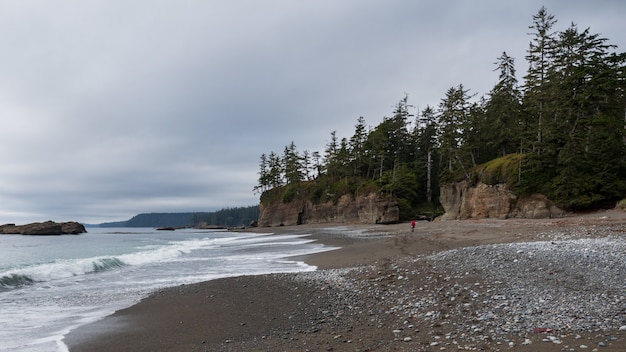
506,169
562,133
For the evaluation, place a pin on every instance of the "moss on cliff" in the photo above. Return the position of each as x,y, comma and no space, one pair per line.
319,191
505,170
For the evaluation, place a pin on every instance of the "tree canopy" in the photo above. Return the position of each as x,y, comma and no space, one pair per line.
564,127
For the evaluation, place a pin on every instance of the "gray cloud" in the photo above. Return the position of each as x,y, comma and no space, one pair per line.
111,108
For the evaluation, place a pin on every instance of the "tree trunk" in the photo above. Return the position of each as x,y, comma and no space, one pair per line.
429,191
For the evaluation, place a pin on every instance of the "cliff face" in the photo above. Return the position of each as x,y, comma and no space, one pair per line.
368,209
462,201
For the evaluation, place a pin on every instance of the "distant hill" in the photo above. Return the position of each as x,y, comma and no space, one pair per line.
228,217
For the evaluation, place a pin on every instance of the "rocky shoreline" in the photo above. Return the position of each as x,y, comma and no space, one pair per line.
522,285
43,228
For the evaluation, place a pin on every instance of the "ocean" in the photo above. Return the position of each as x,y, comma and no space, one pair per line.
49,285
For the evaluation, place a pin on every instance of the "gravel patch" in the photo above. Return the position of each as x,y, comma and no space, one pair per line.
573,285
479,297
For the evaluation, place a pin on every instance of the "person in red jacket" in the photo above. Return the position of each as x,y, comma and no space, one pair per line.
412,225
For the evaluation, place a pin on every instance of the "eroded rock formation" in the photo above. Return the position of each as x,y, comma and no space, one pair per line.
462,200
44,228
367,209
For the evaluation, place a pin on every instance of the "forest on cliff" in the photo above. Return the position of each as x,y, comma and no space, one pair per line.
560,131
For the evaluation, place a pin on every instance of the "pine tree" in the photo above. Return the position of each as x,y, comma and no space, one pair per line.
264,182
317,163
585,130
275,170
472,150
425,136
569,124
330,155
453,113
503,111
403,149
357,149
291,164
539,61
306,164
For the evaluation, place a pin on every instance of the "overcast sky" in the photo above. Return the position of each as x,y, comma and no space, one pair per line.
117,107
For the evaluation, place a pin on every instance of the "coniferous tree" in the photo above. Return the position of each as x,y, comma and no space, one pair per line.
473,149
584,131
536,104
503,111
330,155
399,135
399,145
568,122
389,141
377,142
275,170
357,149
291,164
453,112
317,161
539,60
425,135
342,159
264,181
306,165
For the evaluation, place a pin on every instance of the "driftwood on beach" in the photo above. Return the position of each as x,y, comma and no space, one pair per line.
44,228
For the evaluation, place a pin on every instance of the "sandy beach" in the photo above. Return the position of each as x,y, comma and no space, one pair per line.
390,289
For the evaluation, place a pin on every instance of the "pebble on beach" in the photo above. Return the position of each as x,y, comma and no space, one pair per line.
510,293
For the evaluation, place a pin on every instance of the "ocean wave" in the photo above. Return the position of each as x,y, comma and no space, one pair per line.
58,270
15,280
105,264
61,269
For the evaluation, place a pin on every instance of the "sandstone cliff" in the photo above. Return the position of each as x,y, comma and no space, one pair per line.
43,228
462,200
368,209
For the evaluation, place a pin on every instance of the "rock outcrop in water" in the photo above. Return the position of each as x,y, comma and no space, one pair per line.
462,200
44,228
366,209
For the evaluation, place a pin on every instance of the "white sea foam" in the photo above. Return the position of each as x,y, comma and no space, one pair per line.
70,281
166,253
66,268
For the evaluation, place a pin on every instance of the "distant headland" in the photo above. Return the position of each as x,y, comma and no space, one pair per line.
224,218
